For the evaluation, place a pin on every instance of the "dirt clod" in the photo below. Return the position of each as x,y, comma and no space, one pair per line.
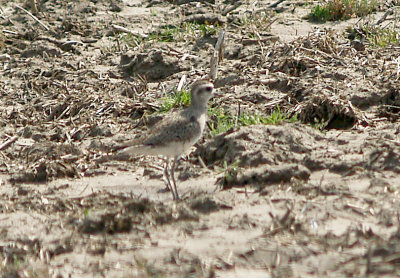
154,65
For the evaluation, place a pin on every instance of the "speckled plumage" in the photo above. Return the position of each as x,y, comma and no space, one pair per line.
177,132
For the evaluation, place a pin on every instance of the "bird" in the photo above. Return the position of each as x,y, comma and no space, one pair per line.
176,133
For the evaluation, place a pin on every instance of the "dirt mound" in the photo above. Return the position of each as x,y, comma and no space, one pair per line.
255,145
154,65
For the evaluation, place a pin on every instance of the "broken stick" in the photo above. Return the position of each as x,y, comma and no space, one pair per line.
217,56
33,17
8,143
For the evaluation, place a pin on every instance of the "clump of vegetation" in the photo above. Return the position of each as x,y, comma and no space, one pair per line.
380,37
176,99
261,21
255,23
131,40
320,13
168,33
375,35
181,32
222,121
331,10
204,30
230,172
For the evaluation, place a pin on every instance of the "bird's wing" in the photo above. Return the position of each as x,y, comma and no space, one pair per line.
179,127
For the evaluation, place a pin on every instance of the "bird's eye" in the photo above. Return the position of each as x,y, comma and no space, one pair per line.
208,89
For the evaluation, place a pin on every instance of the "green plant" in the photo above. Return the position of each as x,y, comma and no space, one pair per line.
200,30
380,37
183,31
169,33
319,124
165,34
256,119
383,37
377,36
230,171
320,14
277,117
176,99
131,40
208,30
332,10
221,121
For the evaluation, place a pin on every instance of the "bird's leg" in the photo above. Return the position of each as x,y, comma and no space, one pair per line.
167,179
176,195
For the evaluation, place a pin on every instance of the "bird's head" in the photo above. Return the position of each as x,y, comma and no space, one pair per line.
202,91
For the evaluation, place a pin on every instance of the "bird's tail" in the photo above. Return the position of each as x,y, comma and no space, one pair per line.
123,152
134,150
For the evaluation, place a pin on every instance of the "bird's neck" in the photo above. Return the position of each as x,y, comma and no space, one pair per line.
201,107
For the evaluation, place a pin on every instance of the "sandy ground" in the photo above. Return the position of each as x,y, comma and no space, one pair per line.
313,197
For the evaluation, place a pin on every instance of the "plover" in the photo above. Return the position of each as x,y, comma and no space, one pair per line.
176,133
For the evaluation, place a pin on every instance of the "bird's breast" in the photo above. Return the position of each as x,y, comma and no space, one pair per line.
202,122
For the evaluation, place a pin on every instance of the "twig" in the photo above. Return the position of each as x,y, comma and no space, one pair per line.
126,30
228,9
324,54
274,103
275,4
8,143
174,50
83,190
217,56
385,15
72,42
9,32
5,57
202,163
34,17
181,83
